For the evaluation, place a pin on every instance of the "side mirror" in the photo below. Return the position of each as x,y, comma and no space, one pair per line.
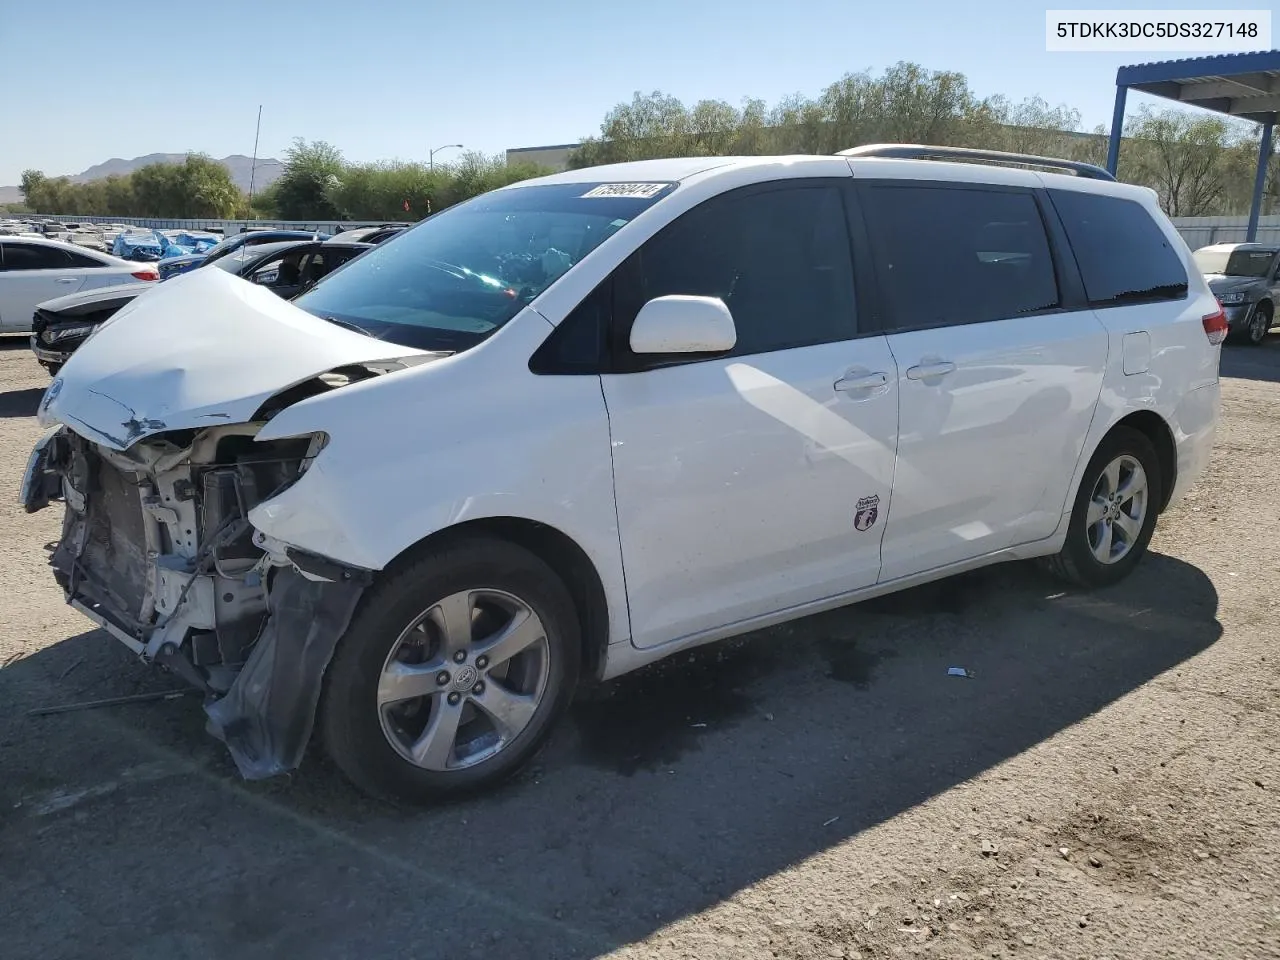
680,324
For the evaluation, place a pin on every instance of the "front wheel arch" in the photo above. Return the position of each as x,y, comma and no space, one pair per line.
557,550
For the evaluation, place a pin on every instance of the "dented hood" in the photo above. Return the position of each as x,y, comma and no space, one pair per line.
203,349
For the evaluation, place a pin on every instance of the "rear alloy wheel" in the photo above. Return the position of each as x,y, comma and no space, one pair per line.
1260,323
452,672
1115,512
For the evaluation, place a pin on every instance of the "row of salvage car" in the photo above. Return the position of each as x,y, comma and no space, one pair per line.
286,262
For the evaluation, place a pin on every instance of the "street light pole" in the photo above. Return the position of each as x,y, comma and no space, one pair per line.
431,158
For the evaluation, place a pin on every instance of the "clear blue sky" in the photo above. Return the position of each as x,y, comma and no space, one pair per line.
389,79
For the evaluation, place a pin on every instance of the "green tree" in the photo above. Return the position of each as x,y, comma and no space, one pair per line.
204,188
1188,158
118,193
33,182
906,104
155,190
312,175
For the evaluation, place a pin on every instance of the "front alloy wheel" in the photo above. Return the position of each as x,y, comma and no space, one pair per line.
464,680
1260,323
453,671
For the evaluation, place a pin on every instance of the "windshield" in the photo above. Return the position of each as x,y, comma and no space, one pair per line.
1234,263
233,261
223,248
455,278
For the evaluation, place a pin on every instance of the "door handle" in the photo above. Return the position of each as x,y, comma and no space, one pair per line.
66,279
930,369
861,381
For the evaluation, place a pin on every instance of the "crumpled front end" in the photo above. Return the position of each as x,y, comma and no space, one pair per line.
157,548
153,450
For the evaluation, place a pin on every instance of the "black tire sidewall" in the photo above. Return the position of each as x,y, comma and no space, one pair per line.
1091,571
1259,310
352,732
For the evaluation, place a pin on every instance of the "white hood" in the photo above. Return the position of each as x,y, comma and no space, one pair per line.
202,349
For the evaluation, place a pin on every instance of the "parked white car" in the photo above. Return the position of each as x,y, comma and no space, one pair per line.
585,422
33,270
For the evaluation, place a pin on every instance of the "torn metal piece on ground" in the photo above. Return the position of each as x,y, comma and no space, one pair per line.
109,702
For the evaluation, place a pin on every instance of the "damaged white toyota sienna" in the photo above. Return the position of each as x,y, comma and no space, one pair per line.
580,423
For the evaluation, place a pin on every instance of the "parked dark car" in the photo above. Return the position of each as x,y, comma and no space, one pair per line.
1245,277
62,324
59,326
290,268
376,234
173,266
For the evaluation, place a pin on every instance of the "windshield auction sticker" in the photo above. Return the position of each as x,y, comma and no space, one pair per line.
1170,31
632,191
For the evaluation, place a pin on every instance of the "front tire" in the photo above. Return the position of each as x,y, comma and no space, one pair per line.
1260,323
452,672
1114,513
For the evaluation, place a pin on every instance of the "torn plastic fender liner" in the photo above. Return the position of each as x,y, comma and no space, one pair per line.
267,716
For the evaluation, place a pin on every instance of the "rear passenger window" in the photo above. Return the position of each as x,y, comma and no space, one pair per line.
952,255
1124,256
779,259
30,256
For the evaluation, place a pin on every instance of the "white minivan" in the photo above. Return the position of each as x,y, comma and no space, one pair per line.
581,423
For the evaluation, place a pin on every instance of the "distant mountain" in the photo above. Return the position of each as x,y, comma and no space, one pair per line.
269,169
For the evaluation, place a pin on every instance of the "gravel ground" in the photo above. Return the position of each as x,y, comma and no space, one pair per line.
1106,785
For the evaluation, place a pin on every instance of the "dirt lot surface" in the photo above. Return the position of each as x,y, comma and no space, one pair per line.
1106,784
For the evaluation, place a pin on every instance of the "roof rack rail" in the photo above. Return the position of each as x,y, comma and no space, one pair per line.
914,151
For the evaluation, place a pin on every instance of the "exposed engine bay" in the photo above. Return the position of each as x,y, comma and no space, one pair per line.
157,548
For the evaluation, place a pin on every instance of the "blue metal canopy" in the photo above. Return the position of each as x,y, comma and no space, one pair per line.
1243,85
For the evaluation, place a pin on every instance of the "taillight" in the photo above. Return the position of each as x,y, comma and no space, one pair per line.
1216,326
145,275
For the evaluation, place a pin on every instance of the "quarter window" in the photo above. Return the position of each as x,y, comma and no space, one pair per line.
778,257
82,260
1123,256
952,255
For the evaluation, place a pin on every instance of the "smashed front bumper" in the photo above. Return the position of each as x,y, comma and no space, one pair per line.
157,549
47,356
53,340
1238,316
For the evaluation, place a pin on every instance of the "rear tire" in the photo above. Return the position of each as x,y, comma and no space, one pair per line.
1114,513
452,672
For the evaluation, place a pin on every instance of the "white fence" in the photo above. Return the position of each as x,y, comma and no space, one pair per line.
224,227
1202,231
